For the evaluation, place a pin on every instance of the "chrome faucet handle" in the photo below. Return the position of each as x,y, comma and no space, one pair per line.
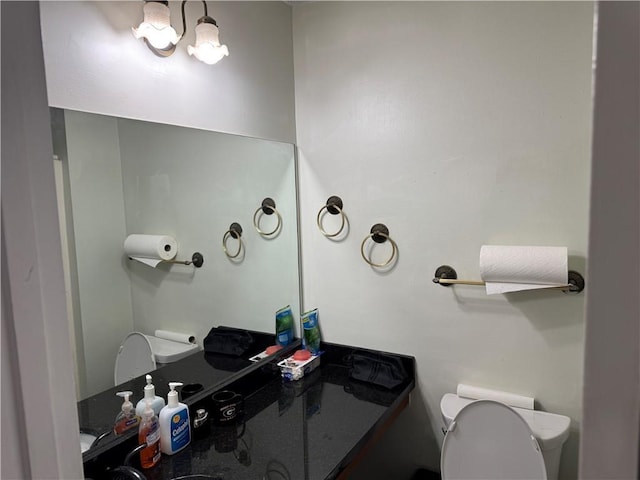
201,417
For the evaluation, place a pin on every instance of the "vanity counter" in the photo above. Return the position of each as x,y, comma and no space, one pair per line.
96,414
311,429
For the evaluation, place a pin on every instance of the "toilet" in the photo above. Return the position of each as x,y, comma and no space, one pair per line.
487,439
140,354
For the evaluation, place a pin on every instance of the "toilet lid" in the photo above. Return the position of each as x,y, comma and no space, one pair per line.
489,440
134,358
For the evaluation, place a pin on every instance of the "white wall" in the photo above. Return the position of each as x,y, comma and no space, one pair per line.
93,63
97,205
456,125
192,184
611,435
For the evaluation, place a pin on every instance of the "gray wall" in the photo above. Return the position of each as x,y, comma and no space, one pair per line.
44,424
611,422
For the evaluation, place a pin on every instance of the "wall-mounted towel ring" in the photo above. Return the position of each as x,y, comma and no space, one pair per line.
379,234
334,207
268,207
235,231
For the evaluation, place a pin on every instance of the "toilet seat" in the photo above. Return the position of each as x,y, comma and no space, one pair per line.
489,440
135,357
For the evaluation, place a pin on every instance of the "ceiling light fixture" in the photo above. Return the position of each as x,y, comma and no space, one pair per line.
161,37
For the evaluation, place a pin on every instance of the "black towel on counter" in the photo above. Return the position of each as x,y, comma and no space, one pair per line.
377,368
229,341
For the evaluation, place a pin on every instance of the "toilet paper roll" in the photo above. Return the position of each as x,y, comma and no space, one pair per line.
506,268
479,393
175,336
150,249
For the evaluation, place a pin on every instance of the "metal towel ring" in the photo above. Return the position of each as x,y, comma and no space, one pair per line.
268,207
379,234
235,231
334,207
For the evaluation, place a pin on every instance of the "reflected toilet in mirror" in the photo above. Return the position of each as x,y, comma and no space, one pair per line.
140,354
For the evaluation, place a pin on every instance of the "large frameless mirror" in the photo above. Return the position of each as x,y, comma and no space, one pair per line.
116,177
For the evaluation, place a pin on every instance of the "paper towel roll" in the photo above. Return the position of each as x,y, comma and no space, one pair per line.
175,336
506,268
479,393
150,249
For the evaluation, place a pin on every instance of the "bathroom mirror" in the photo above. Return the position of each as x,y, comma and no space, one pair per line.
117,177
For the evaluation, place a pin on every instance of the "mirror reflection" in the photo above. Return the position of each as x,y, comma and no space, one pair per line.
117,177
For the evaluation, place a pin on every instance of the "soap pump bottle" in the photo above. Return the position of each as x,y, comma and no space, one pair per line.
150,395
127,417
149,434
175,429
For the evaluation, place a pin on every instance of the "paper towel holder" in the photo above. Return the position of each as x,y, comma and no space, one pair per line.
447,276
196,260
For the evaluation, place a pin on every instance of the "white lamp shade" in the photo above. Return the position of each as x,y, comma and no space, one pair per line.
207,48
156,27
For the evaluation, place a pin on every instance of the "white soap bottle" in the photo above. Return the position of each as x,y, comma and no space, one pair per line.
175,429
150,395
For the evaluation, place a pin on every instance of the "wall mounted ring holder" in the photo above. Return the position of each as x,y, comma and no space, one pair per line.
447,276
235,232
196,260
334,207
379,233
268,207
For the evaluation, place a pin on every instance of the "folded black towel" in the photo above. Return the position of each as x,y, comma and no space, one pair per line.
229,341
377,368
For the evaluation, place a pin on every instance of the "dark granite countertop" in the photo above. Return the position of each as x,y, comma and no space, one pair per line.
96,414
308,429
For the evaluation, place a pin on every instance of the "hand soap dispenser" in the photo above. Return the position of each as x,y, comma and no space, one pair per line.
149,434
150,395
127,417
175,429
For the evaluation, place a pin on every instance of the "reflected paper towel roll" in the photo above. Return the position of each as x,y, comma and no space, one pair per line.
150,249
175,336
506,268
479,393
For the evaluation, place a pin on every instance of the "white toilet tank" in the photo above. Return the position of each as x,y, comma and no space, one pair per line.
168,351
140,354
551,430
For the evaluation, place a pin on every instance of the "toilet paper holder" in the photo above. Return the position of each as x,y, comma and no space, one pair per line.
447,276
